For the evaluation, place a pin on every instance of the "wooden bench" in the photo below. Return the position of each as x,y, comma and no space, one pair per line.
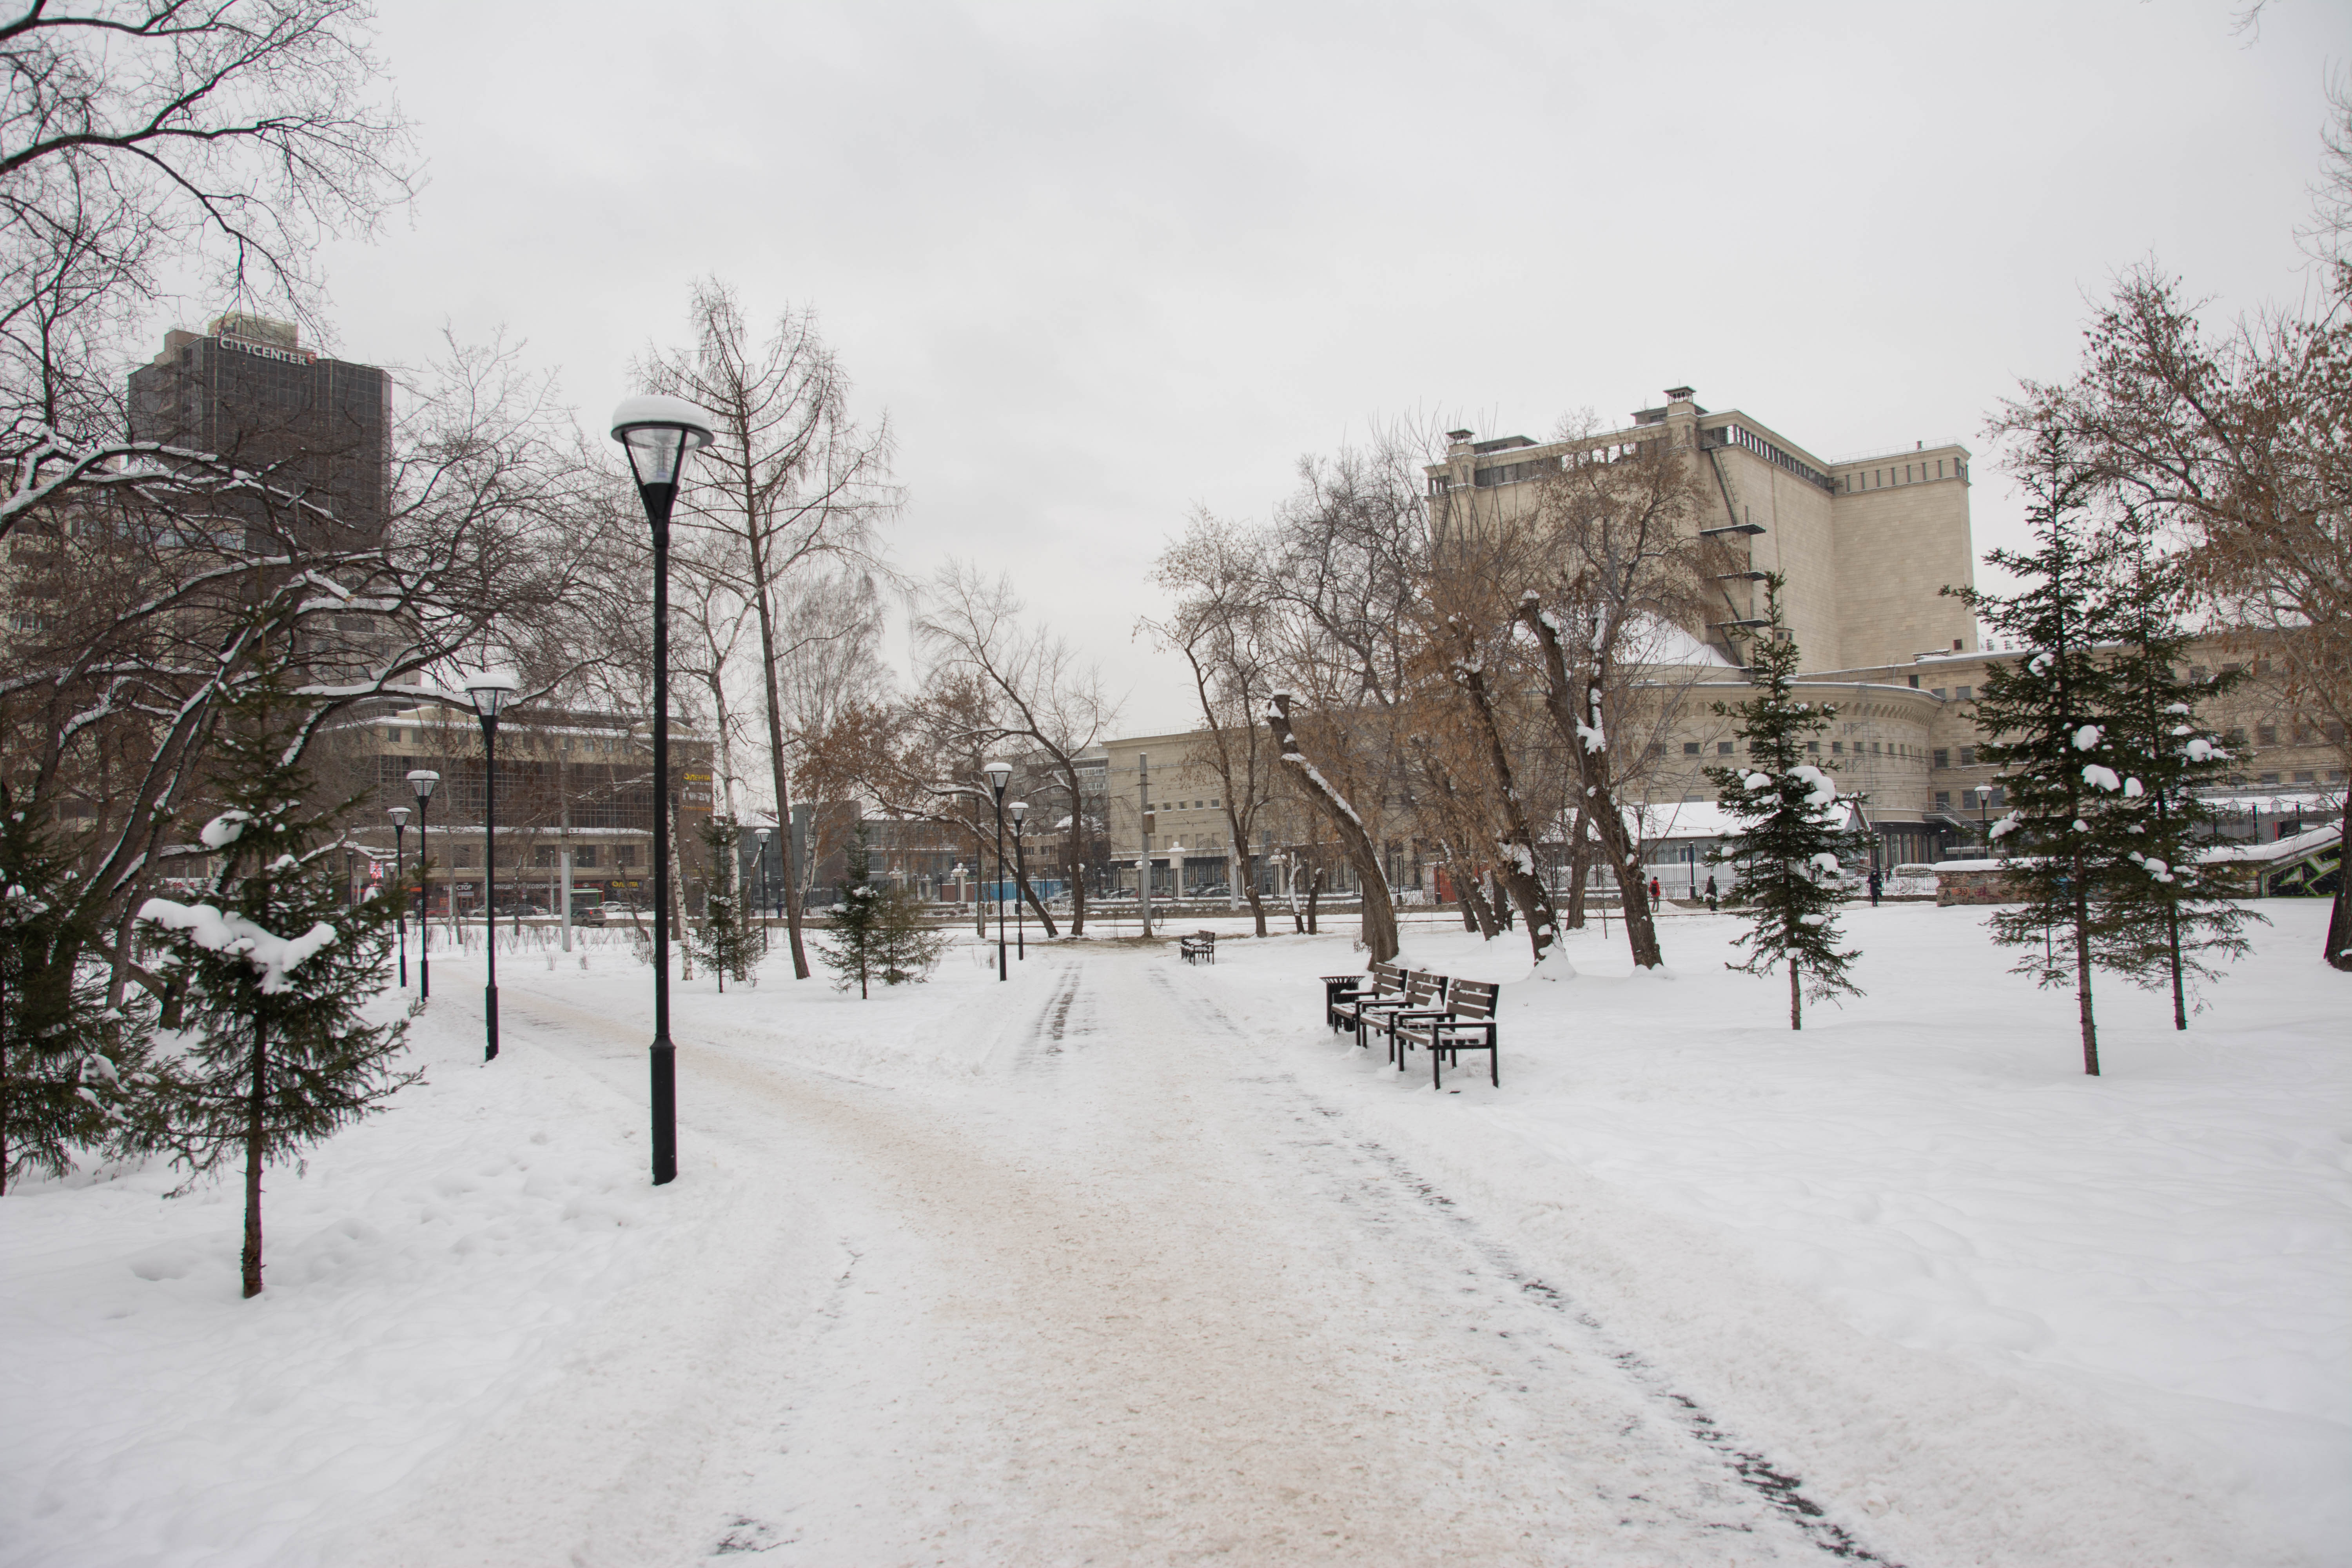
1424,997
1467,1023
1200,947
1345,1004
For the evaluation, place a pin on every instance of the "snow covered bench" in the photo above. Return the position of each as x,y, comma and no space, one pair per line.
1200,947
1466,1024
1346,1000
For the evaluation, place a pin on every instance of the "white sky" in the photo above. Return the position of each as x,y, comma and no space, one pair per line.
1104,264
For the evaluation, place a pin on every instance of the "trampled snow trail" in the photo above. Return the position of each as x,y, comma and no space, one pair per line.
1136,1298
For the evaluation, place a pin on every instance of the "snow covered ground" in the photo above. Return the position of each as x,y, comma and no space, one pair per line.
1128,1261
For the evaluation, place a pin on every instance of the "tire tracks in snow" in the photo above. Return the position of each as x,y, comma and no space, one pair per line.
1774,1485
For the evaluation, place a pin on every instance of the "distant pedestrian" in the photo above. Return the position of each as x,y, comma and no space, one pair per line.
1654,890
1876,886
1710,895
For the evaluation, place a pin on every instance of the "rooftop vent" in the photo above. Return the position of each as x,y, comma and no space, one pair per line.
1679,393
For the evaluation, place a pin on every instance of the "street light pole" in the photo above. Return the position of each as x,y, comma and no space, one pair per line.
399,814
489,693
998,776
1020,809
759,836
657,433
422,781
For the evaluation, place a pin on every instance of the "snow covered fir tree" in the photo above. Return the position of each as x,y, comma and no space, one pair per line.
724,938
70,1061
1791,843
2051,722
269,977
2166,910
878,930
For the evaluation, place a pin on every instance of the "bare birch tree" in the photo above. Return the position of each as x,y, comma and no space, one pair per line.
791,474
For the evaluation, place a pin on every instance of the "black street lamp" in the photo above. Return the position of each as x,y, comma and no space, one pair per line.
399,814
1984,815
999,775
489,693
760,836
423,782
1019,810
657,433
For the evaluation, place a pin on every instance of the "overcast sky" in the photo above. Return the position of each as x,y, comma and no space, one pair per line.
1103,265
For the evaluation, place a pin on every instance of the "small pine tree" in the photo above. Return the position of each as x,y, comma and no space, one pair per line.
879,931
1788,847
2162,912
70,1065
2049,718
276,971
724,939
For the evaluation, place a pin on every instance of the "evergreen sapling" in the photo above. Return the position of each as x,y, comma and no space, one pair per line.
275,971
877,931
71,1065
1789,848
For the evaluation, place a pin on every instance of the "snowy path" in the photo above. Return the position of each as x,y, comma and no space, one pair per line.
1139,1303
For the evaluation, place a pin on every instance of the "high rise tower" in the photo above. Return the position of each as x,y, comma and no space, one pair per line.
248,391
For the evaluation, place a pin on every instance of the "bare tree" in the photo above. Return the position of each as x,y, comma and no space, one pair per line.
791,474
1632,571
1220,627
141,134
1037,692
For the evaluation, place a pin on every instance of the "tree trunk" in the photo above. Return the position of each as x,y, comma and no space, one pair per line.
256,1145
778,776
1519,845
1077,854
1314,894
1796,999
1030,894
677,897
2083,970
1562,700
1580,869
1476,913
2172,941
1380,914
2339,916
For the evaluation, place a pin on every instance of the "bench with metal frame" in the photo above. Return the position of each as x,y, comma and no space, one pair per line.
1467,1023
1346,997
1424,997
1200,947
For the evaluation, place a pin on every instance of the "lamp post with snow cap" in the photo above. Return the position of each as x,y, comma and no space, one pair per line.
760,836
423,782
999,775
489,693
658,433
1019,810
399,814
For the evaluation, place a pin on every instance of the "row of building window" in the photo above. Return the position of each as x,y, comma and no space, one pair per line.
584,856
1879,479
1747,440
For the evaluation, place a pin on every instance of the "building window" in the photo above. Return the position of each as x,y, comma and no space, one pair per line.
1964,693
2000,795
2267,734
1936,693
1915,683
1967,757
625,855
1723,748
1814,748
584,856
2304,776
1873,748
2269,778
1837,748
542,856
1690,748
2235,738
462,855
1943,800
1943,757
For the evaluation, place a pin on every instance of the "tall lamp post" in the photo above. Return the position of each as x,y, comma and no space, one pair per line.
399,814
489,693
999,775
1984,815
759,836
1019,810
657,433
423,782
